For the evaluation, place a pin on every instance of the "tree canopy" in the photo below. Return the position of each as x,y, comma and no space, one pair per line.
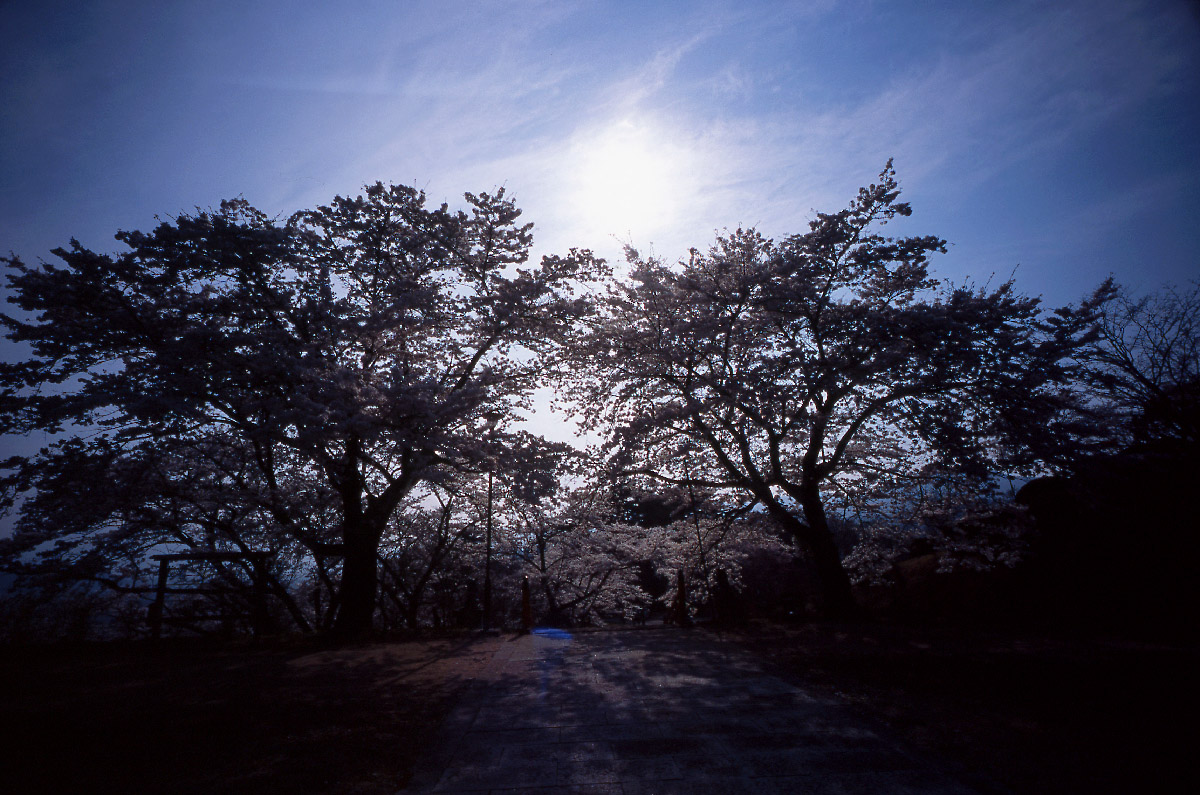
234,381
778,371
333,397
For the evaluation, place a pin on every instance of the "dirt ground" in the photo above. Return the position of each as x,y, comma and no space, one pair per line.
1033,714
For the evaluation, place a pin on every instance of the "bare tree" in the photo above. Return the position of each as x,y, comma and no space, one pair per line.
1148,365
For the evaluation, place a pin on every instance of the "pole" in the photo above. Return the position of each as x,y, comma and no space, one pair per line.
526,606
487,561
259,616
160,597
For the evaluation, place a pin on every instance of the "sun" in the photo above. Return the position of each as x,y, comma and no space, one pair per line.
627,178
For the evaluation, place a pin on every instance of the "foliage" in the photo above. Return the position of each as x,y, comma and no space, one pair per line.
337,392
583,563
420,549
712,551
774,370
965,525
1114,539
232,382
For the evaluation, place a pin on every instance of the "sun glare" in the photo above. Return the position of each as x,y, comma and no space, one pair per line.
627,179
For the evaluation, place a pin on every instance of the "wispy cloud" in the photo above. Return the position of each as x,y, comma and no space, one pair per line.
1029,86
753,113
1038,84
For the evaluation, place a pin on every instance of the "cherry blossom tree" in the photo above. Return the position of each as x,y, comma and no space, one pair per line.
707,535
772,370
423,545
962,521
321,367
583,565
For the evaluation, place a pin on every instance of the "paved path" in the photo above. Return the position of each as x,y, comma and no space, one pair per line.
658,711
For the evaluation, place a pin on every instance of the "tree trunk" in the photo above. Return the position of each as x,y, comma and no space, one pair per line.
359,584
814,536
554,617
417,595
362,527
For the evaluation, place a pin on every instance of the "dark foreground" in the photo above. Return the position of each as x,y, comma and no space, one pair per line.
197,718
1046,713
966,711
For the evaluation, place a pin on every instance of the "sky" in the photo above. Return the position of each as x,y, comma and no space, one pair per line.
1054,142
1060,139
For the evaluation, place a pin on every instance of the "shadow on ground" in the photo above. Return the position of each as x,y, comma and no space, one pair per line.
185,717
663,711
1048,712
819,708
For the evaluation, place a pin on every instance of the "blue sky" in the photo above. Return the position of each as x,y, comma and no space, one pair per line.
1060,137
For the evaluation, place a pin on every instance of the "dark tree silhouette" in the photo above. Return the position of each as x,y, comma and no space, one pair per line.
770,370
231,382
1147,365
